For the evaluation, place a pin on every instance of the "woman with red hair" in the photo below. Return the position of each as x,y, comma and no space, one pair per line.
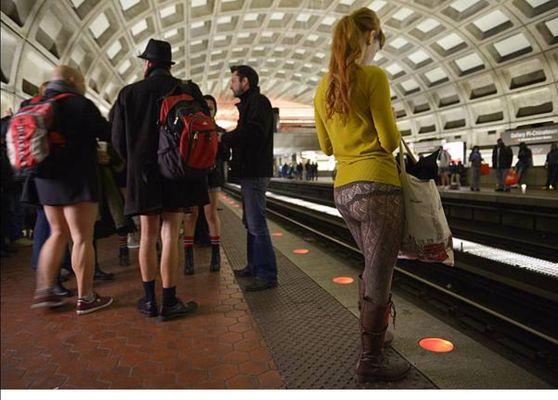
355,123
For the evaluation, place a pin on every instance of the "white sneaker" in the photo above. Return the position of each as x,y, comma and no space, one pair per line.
133,240
551,187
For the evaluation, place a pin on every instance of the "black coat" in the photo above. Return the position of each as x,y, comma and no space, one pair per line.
252,139
135,137
81,122
506,157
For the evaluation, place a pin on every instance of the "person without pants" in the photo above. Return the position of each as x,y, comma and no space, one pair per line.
502,157
159,202
475,159
253,137
358,128
70,199
444,163
215,180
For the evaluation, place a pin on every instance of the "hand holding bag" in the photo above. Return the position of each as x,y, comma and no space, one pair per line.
426,233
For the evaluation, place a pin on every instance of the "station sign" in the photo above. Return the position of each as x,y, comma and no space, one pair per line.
543,134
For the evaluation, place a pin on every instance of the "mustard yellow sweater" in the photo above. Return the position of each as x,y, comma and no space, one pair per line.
363,146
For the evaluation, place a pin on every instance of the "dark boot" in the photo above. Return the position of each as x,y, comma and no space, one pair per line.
215,264
123,256
388,338
373,364
189,261
101,275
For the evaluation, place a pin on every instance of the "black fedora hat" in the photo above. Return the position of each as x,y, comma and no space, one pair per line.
157,50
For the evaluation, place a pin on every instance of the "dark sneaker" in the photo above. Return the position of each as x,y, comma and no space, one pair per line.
260,284
60,290
179,309
148,308
101,275
47,298
243,273
215,264
99,302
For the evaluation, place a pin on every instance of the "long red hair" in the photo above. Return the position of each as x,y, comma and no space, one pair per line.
346,50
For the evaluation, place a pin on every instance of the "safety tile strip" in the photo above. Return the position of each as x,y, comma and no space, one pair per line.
313,339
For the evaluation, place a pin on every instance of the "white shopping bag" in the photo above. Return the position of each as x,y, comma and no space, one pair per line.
426,233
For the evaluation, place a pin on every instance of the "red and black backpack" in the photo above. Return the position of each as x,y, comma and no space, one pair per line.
188,137
32,141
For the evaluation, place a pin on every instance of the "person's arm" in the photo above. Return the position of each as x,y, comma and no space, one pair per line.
118,134
323,137
254,131
380,107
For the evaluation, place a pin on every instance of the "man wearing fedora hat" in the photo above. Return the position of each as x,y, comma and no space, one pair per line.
158,201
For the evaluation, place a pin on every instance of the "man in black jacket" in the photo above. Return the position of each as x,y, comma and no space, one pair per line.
502,157
149,195
253,142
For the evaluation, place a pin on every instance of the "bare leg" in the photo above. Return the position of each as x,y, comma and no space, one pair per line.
190,221
53,249
81,221
211,215
169,255
148,242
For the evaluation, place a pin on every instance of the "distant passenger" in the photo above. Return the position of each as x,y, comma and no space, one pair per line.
475,159
70,193
444,163
551,164
253,137
358,128
158,201
502,157
524,161
215,180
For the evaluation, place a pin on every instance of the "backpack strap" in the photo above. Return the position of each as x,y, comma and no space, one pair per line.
61,96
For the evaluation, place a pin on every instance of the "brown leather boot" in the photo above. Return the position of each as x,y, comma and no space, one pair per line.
388,338
373,364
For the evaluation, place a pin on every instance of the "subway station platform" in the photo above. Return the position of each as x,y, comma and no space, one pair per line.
301,335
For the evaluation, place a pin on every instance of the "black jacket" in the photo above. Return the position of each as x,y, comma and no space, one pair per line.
505,159
252,140
525,157
135,137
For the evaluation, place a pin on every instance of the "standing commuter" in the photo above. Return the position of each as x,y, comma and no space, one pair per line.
444,164
253,137
70,195
358,128
475,159
215,181
524,161
159,202
502,157
551,164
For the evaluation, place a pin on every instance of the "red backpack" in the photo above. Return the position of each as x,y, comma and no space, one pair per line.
31,139
188,137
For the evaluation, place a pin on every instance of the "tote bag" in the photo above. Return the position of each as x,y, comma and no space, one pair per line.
426,233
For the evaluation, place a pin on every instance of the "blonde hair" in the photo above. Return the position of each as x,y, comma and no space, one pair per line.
346,50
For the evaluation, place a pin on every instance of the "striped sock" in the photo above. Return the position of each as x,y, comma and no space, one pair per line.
188,241
215,240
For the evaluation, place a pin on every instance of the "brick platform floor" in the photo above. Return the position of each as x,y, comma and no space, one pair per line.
218,347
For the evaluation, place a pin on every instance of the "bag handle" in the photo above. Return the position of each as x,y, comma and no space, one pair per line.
403,144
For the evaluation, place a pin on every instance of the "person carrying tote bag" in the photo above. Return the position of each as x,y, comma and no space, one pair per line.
426,233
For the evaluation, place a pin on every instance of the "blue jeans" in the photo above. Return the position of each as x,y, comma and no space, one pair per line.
40,236
261,256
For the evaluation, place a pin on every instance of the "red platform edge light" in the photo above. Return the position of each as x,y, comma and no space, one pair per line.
301,251
343,280
277,234
436,345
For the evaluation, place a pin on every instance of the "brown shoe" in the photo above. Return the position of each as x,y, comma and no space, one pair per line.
99,302
373,365
388,338
47,298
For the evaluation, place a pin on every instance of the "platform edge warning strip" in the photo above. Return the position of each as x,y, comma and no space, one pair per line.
313,339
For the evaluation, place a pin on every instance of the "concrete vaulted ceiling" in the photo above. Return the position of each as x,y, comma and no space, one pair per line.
454,64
